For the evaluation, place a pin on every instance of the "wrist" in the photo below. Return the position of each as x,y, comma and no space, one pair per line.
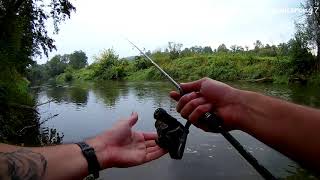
242,109
237,119
101,151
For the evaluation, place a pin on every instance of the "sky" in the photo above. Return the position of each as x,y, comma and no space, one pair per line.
102,24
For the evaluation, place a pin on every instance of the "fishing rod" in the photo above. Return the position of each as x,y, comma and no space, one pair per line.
214,123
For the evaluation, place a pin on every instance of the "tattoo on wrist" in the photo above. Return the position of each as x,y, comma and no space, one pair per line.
22,164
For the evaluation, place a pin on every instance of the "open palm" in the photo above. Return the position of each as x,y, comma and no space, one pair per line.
123,147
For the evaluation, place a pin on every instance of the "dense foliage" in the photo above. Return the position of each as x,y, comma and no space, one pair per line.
282,63
23,31
23,35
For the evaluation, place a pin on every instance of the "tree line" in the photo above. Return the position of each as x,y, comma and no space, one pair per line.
56,65
297,49
295,53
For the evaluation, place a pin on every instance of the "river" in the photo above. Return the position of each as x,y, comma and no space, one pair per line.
86,109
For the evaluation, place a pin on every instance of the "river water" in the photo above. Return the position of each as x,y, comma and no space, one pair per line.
86,109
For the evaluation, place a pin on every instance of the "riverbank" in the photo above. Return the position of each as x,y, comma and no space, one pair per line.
219,66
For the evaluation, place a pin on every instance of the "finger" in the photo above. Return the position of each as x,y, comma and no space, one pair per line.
155,155
199,112
150,143
192,86
185,99
153,149
150,136
133,119
175,95
191,106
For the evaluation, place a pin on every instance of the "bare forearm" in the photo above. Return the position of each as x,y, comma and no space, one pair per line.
291,129
56,162
64,162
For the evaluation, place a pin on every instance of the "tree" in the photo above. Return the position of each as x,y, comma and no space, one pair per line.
56,65
174,49
23,31
222,48
301,57
37,73
236,48
106,59
233,48
196,49
257,45
311,25
283,49
78,60
207,50
148,53
109,66
186,52
141,63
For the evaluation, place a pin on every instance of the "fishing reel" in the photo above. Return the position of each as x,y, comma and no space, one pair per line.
172,135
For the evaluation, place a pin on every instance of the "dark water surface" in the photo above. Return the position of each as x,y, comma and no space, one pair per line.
87,109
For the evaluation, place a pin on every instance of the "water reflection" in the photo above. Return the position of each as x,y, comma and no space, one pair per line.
87,109
77,94
300,94
309,96
110,91
144,91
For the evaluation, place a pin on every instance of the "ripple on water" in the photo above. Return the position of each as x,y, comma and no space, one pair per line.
190,151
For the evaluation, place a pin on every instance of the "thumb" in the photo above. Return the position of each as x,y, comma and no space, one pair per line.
194,86
133,119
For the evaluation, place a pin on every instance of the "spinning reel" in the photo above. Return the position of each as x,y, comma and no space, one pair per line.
172,135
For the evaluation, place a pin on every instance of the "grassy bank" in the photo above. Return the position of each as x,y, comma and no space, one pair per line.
219,66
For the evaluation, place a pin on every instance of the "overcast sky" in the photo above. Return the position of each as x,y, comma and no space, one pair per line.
103,24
